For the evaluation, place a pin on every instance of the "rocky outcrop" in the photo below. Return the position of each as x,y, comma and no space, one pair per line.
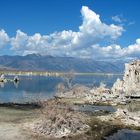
58,120
96,95
130,85
124,116
2,78
77,91
118,94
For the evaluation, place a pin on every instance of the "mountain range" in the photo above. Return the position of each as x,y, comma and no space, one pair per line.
37,62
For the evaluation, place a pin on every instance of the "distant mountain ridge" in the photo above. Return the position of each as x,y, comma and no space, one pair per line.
36,62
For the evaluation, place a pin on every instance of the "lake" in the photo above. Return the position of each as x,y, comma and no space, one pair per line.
125,134
32,88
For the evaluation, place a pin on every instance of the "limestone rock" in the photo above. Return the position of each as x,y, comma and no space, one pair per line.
118,86
130,85
124,116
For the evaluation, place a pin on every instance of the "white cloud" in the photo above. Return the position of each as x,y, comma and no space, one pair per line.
93,26
4,39
20,41
134,49
92,31
118,18
86,42
131,23
116,51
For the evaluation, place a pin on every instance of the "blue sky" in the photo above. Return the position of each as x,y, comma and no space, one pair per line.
64,28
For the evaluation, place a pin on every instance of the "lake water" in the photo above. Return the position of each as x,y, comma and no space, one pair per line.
31,88
125,134
95,109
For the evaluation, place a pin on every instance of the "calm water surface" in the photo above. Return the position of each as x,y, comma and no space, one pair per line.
125,134
31,88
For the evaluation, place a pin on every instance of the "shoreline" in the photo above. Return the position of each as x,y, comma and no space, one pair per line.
53,73
95,124
26,105
58,118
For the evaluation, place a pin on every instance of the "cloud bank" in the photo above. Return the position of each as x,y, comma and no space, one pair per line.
86,42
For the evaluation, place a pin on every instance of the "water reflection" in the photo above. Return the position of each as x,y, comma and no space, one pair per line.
34,87
2,84
16,83
94,108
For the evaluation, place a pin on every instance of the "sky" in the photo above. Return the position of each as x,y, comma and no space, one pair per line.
97,29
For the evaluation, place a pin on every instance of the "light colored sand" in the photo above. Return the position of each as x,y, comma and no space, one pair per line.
9,131
11,121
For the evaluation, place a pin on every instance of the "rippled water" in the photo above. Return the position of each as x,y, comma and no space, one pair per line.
31,88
